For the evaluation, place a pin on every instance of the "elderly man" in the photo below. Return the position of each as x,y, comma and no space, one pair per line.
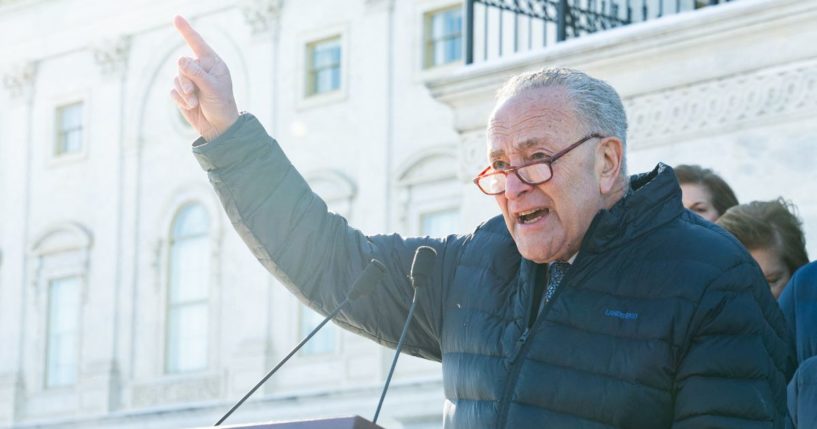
594,301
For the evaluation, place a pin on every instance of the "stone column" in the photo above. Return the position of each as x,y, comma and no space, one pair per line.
15,161
99,385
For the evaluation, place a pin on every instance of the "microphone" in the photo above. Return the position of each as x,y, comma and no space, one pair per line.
371,277
420,275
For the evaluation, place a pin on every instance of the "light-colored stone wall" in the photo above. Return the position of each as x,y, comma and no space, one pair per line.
111,207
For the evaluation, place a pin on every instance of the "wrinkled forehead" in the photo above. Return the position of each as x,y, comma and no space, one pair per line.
546,115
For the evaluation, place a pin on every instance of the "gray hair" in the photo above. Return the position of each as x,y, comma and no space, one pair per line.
596,103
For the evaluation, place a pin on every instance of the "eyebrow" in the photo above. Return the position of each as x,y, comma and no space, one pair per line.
524,145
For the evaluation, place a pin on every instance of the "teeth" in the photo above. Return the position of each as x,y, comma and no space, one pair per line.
530,215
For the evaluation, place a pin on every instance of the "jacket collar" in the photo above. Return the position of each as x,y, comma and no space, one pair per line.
654,199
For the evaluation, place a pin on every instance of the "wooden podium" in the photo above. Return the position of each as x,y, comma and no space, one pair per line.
355,422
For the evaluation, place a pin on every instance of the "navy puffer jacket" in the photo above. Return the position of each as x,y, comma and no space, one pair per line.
799,303
663,321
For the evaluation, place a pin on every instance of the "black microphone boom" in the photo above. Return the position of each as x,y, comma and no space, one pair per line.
368,280
421,269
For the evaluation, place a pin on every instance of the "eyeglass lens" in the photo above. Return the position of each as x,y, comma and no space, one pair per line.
530,174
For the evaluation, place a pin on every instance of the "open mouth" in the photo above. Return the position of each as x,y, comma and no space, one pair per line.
531,216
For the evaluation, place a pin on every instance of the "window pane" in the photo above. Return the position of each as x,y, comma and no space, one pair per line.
71,116
69,129
192,220
72,141
188,291
444,37
324,340
452,50
439,223
452,23
187,338
63,326
327,80
326,54
189,269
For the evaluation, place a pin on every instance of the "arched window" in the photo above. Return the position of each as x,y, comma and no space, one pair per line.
59,270
429,193
188,291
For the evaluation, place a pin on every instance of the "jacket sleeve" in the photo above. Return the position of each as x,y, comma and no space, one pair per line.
735,366
313,252
803,395
788,305
799,304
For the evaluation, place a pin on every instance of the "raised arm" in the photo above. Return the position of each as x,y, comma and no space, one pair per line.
312,252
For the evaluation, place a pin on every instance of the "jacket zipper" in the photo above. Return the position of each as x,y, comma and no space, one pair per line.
521,349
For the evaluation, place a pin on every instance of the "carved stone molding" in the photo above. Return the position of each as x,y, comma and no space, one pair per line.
261,15
379,4
62,250
112,55
19,79
429,167
706,107
472,154
172,391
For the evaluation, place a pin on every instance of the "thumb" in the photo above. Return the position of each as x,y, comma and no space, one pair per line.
193,71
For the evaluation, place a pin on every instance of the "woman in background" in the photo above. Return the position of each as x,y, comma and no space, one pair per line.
773,235
704,192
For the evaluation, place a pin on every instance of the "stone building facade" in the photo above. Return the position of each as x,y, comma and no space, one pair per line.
127,300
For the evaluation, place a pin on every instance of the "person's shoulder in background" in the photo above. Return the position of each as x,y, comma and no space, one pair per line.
799,304
802,395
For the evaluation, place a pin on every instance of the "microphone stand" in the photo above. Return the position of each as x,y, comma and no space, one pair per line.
421,268
396,355
371,275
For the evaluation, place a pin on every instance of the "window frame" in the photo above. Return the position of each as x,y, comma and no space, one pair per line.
51,157
429,42
206,302
311,81
61,134
62,250
49,302
305,100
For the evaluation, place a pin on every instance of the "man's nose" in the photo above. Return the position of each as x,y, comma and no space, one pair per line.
514,187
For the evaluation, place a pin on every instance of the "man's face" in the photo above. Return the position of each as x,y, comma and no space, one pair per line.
547,221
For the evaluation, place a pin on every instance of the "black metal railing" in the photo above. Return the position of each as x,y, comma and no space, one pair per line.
495,27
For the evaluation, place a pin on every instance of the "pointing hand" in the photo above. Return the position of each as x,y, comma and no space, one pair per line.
203,90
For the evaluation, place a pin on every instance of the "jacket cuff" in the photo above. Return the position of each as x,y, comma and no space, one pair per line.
245,136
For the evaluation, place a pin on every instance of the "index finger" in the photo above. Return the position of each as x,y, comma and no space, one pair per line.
193,38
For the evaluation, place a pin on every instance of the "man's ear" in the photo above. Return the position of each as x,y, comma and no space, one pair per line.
609,156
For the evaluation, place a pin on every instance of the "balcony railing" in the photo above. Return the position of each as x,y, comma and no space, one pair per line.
497,27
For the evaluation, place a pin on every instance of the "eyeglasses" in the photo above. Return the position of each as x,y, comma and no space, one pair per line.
532,173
